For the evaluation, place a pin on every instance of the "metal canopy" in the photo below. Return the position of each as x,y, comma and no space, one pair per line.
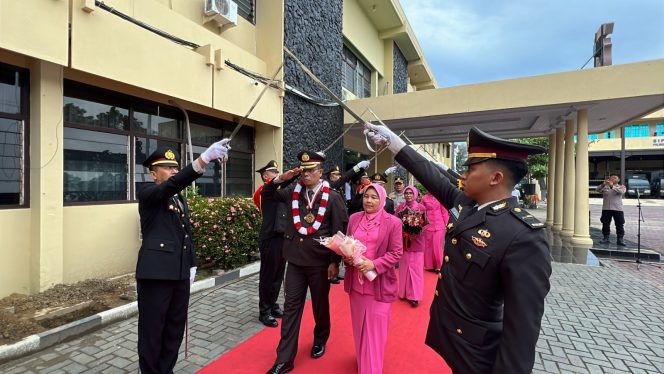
524,107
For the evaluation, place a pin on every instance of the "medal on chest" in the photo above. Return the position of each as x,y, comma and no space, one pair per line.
309,218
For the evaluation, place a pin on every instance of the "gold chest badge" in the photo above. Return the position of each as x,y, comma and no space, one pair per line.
478,242
484,233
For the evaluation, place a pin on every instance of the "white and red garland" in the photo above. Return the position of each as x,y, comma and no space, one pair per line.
319,215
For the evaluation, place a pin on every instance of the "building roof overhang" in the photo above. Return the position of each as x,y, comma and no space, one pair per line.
522,107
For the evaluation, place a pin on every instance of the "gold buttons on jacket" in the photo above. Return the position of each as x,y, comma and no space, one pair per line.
440,275
447,258
436,292
454,241
161,245
186,236
185,247
469,256
301,239
458,331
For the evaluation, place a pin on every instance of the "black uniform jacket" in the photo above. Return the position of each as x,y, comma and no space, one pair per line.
167,251
355,205
486,314
275,215
300,249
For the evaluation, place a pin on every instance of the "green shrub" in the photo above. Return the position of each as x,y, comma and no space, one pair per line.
225,230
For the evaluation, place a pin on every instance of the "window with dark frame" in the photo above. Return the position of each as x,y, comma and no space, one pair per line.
356,75
247,10
108,135
14,137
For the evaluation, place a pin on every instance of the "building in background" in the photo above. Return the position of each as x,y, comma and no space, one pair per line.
86,95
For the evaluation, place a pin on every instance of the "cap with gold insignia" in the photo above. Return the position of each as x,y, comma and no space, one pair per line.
379,178
398,180
336,170
310,159
163,156
482,147
272,165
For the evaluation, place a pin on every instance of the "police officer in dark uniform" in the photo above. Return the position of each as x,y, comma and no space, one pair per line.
381,179
166,261
271,241
489,300
316,212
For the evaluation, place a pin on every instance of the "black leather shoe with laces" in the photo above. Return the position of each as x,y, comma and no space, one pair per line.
317,351
268,320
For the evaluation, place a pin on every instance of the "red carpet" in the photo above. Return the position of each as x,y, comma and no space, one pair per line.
406,352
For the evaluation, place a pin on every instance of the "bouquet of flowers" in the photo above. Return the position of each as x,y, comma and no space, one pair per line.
412,223
350,249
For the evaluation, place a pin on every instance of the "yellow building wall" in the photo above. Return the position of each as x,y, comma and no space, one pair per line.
35,28
100,240
649,142
360,32
15,269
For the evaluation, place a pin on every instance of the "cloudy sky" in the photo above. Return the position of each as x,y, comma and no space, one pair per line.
472,41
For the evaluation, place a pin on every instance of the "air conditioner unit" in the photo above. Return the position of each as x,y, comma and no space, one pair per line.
224,12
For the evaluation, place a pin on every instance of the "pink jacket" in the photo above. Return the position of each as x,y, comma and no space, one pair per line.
390,249
437,215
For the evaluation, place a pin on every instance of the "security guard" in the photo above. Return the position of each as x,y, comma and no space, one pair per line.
271,240
397,195
489,300
316,211
166,261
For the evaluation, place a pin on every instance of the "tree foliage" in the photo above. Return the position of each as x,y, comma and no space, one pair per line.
538,165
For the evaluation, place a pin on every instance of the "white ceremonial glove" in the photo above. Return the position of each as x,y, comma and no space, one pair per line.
380,135
361,165
217,151
391,170
192,275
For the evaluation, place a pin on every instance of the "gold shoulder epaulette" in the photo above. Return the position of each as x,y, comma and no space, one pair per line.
527,218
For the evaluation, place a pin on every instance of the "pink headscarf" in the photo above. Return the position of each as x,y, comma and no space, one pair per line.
413,205
369,220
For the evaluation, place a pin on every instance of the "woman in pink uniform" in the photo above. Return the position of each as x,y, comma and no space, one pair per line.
434,233
411,268
371,301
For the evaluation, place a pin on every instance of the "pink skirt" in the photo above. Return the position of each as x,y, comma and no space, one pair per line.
411,276
370,320
433,248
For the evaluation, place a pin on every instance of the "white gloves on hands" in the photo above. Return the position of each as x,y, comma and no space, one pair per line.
218,150
391,170
380,135
361,165
192,275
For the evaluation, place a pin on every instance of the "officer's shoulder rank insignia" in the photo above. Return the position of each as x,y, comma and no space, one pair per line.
527,218
498,207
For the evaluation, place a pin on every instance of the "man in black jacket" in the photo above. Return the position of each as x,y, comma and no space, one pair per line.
489,300
316,211
271,240
166,264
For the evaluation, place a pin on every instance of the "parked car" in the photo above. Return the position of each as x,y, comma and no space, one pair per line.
656,189
641,184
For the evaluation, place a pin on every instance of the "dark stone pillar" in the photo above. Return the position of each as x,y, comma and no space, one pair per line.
400,76
313,33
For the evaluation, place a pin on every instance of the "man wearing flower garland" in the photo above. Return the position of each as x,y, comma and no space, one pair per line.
488,305
316,211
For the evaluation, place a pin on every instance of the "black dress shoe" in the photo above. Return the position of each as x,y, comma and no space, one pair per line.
317,351
277,312
268,320
282,367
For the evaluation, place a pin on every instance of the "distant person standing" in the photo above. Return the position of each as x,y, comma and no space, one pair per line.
516,193
612,207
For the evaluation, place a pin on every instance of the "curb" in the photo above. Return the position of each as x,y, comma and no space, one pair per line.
49,338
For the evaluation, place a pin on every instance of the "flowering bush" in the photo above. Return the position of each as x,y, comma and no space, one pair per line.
225,230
